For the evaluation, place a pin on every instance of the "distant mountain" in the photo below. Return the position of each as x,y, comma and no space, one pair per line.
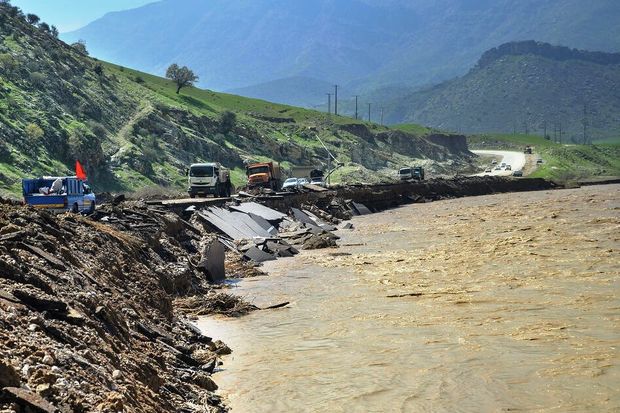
361,44
522,86
296,91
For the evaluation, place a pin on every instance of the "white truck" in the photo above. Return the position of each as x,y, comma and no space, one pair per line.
208,178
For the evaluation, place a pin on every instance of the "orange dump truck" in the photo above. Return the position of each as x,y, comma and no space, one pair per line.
264,174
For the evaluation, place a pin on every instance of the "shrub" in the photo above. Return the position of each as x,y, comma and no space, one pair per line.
80,47
228,121
85,146
34,132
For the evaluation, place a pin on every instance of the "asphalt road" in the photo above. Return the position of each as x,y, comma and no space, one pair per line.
515,159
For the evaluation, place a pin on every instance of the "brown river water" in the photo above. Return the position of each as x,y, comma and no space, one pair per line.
514,305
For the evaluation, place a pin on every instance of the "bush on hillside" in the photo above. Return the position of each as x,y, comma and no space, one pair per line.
85,146
228,121
34,132
80,47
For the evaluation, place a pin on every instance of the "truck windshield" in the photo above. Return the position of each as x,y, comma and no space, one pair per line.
405,171
201,171
258,170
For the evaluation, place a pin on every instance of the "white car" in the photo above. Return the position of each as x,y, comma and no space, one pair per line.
290,184
317,181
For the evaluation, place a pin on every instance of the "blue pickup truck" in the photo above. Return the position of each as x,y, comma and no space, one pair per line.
59,194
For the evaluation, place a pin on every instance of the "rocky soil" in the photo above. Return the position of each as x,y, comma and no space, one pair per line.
87,317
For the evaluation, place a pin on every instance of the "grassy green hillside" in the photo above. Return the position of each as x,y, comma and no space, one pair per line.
562,162
132,131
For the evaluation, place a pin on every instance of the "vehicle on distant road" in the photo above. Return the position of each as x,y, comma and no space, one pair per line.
498,168
517,173
488,170
527,150
59,194
208,178
508,167
407,173
494,161
290,184
317,181
302,181
539,160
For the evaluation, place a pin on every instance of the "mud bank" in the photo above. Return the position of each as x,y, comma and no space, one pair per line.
379,197
87,317
494,303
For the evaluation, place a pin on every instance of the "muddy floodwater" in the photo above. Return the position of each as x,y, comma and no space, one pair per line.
488,304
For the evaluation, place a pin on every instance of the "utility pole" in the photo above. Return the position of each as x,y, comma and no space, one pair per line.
336,101
369,112
545,129
329,103
585,124
356,96
560,131
381,116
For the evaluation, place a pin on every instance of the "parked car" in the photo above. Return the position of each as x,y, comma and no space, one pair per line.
517,173
302,181
488,170
508,168
317,181
539,160
290,184
494,161
498,168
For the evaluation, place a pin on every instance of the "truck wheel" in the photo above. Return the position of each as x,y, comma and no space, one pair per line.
191,195
75,208
91,210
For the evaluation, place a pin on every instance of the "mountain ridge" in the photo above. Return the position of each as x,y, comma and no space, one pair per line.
523,86
358,44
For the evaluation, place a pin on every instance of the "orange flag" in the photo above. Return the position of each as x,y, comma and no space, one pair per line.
79,171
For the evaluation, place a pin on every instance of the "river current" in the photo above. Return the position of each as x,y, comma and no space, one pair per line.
488,304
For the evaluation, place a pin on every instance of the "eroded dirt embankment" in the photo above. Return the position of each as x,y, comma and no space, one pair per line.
86,313
379,197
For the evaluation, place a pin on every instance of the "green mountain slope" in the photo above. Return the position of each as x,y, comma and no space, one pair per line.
523,86
360,44
131,130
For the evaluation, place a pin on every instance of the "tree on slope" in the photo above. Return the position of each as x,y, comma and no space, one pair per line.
33,18
182,76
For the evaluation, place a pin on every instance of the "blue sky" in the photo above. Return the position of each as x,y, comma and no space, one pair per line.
69,15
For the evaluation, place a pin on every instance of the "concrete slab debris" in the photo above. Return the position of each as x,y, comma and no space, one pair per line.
361,208
260,210
212,260
257,255
302,216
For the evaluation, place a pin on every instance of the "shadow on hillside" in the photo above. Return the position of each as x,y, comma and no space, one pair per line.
197,103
